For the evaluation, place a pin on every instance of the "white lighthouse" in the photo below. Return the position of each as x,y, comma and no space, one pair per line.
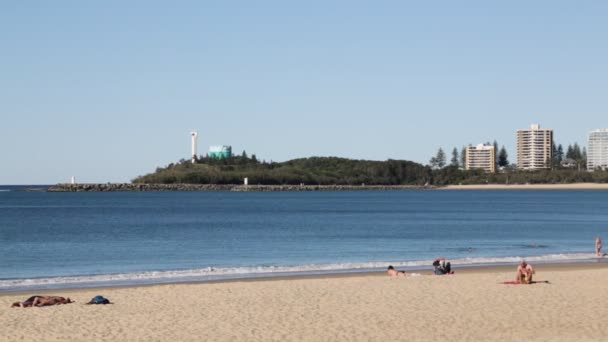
193,136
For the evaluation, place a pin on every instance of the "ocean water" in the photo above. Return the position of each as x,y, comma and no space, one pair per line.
89,239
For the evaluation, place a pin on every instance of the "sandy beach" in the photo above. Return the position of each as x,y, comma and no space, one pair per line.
572,186
471,305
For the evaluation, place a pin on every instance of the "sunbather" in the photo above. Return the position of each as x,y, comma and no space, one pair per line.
42,301
392,272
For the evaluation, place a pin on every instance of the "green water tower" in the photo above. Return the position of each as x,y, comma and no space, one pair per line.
220,151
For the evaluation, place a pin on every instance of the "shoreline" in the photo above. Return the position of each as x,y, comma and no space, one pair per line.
569,186
471,305
133,187
461,269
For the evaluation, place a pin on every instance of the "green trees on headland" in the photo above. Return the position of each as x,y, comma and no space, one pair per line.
342,171
315,170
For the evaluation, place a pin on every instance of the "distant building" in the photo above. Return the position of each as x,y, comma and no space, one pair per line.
481,157
568,163
597,150
534,148
220,152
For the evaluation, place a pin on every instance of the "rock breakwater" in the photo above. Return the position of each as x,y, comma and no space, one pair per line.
113,187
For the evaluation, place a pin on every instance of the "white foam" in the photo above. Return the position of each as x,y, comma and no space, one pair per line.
212,273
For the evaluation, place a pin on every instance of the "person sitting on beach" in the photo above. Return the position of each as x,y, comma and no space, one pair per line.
392,272
524,273
42,301
442,267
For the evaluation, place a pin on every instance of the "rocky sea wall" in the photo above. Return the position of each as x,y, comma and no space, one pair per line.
113,187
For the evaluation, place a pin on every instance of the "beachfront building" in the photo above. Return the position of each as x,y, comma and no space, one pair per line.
534,148
597,150
568,163
220,151
480,157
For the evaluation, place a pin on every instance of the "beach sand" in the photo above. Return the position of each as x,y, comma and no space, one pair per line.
470,305
571,186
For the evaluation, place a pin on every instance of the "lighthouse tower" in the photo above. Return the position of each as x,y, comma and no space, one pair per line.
193,136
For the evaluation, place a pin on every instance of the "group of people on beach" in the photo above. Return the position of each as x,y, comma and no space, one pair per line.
523,273
441,267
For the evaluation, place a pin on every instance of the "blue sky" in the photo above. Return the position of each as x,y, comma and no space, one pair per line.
109,90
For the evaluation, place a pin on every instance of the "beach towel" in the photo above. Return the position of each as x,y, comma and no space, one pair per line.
518,283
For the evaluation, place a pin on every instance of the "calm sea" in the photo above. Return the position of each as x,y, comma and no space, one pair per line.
88,239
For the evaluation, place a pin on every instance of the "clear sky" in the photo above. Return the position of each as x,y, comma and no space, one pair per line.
109,90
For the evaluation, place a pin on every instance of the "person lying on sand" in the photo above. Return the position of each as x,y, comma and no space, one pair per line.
524,273
42,301
392,272
26,303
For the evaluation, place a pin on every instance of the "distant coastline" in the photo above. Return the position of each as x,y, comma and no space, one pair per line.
125,187
569,186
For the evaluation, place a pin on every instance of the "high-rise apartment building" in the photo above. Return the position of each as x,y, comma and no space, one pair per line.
597,149
534,148
481,157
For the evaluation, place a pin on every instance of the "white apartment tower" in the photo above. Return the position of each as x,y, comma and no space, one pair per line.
597,150
481,157
534,148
